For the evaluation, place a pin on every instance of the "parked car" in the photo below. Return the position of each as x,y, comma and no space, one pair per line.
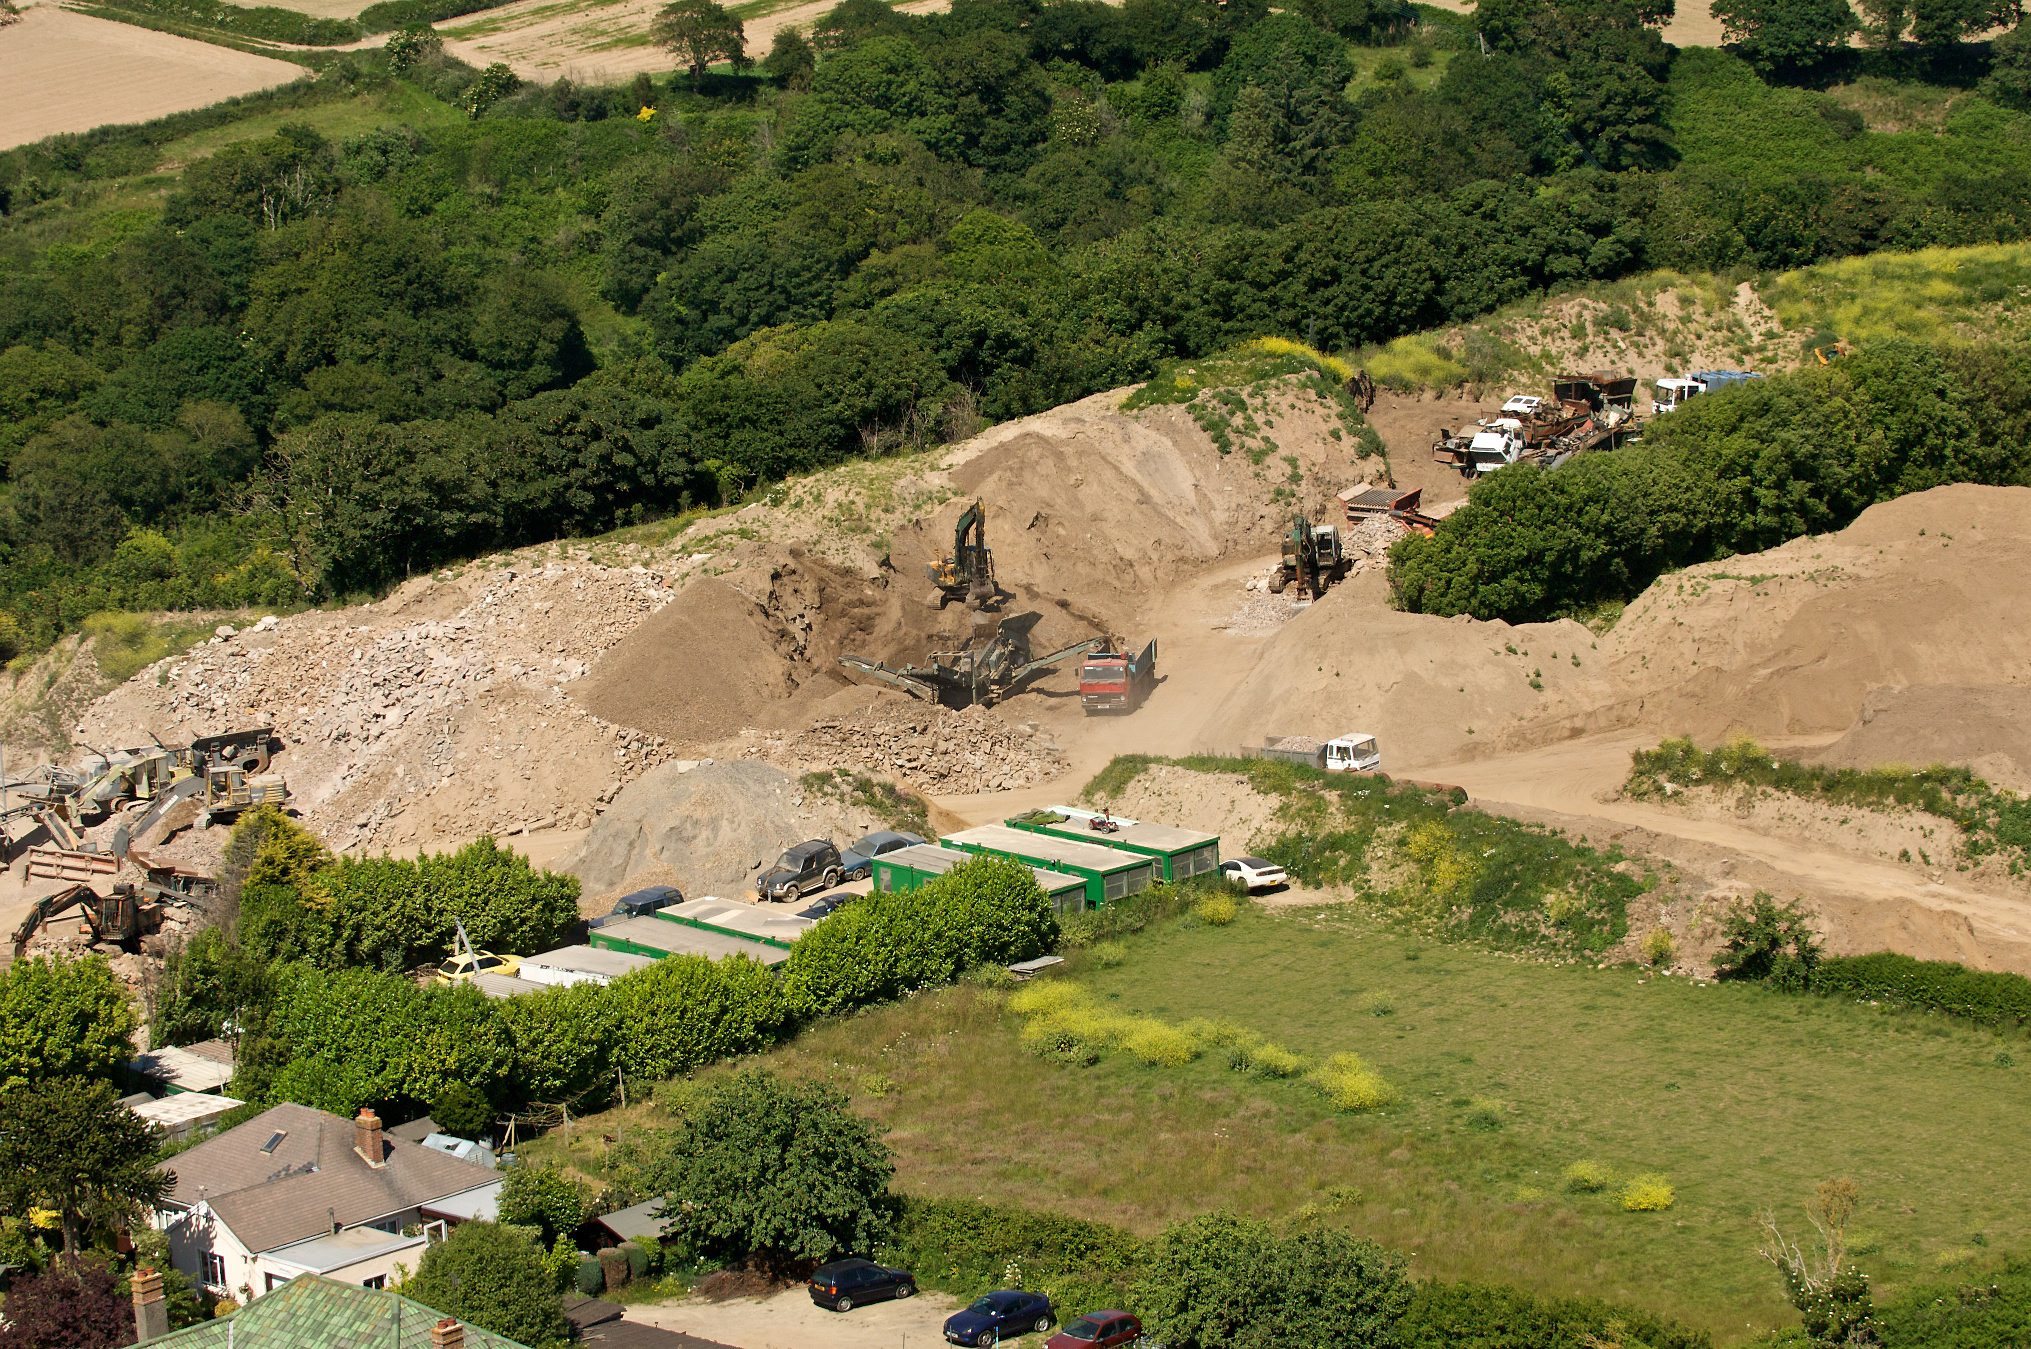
826,905
1253,874
1000,1316
459,968
859,859
846,1284
639,903
812,865
1097,1330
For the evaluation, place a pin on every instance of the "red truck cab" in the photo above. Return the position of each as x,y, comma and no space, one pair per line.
1114,681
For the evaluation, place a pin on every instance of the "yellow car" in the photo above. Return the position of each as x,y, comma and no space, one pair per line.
460,968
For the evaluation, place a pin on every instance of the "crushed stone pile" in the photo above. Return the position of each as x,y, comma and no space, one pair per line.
1367,543
444,702
931,748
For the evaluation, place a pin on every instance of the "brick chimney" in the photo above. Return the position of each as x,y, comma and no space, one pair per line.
447,1334
151,1310
367,1138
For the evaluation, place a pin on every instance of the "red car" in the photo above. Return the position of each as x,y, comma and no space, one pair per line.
1097,1330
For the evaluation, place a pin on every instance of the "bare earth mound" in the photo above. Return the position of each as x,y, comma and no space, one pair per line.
700,666
1984,728
1929,589
64,71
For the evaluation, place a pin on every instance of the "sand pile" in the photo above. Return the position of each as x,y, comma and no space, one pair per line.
1426,688
694,672
1927,590
1984,728
707,827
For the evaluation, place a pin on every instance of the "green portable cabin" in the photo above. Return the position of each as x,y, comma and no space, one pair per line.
656,939
1180,853
1109,874
908,868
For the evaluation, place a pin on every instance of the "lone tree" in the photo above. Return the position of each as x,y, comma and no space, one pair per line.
492,1277
777,1170
1831,1295
67,1144
701,32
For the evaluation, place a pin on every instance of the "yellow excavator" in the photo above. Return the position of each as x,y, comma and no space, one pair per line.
967,576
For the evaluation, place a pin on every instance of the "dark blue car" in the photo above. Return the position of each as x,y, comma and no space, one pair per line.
1000,1316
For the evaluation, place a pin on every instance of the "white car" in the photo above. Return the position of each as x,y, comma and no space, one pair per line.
1253,874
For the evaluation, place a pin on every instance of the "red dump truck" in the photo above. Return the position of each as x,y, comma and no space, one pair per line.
1114,681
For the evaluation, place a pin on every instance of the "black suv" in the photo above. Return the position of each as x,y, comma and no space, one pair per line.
811,865
846,1284
640,902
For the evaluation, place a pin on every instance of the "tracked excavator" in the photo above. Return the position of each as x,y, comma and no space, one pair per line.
120,919
967,577
1313,558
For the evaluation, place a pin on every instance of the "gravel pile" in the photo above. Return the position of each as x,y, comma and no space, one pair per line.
932,748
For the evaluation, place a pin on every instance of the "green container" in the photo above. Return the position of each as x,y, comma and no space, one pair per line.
1109,873
909,868
1182,853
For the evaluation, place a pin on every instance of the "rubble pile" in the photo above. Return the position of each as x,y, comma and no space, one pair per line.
1369,540
384,708
1259,611
934,749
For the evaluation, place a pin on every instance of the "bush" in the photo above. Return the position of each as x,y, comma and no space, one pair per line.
1216,910
1770,942
1219,1280
1658,947
963,1245
492,1277
1160,1046
1486,1115
1647,1193
1266,1060
1350,1084
1588,1177
545,1199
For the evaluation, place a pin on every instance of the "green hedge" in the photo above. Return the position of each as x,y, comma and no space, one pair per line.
965,1245
357,1037
1984,997
389,15
987,911
1986,1312
1450,1315
269,23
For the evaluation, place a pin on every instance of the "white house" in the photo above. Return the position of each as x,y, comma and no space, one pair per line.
296,1191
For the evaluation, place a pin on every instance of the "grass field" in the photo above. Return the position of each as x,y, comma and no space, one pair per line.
1510,1071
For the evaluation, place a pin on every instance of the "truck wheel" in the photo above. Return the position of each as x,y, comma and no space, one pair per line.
831,877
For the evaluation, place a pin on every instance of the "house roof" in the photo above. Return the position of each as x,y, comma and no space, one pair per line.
309,1310
636,1220
310,1178
337,1250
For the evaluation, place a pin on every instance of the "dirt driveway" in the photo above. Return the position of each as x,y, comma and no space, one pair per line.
788,1320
